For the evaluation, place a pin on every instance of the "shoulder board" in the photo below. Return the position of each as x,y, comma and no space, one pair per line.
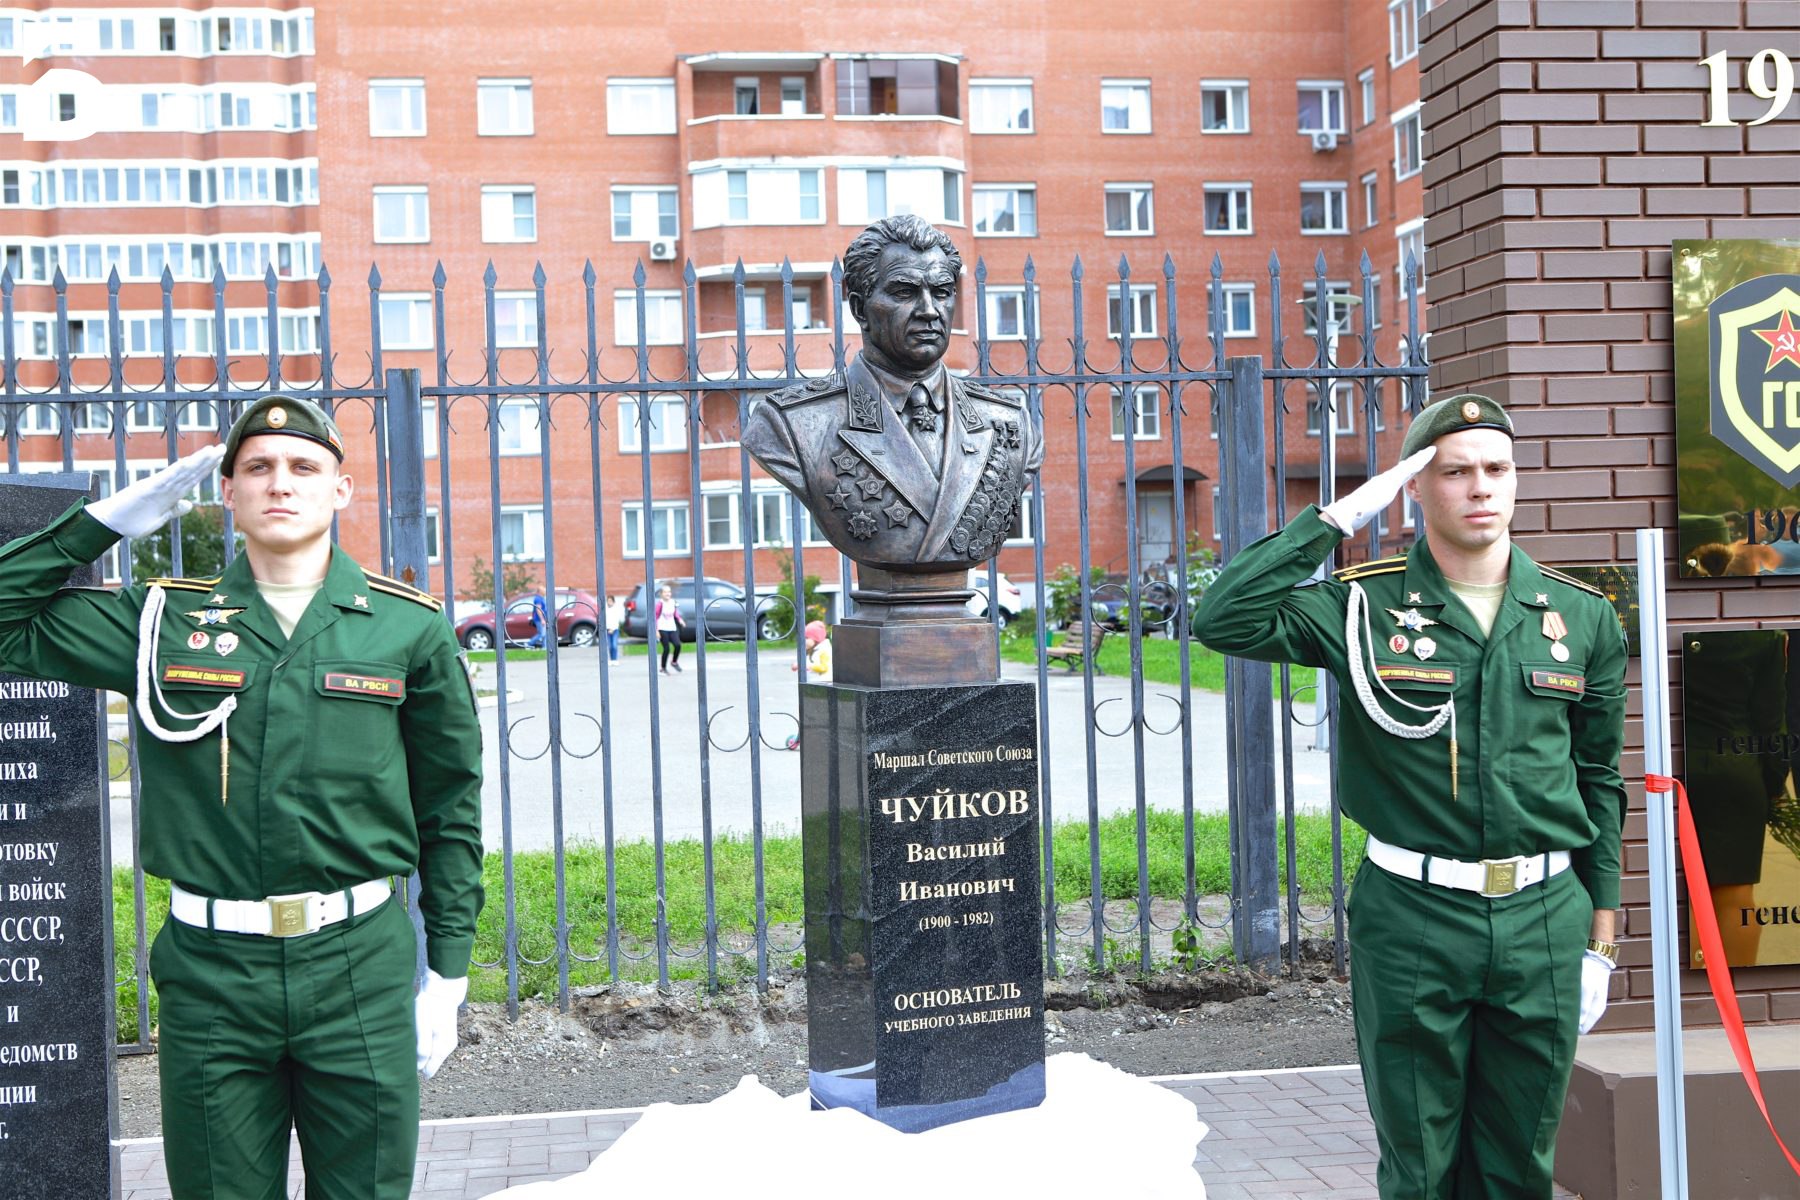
192,585
1573,582
983,392
1379,566
405,591
812,389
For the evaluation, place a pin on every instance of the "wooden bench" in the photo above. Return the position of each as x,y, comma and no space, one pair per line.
1072,656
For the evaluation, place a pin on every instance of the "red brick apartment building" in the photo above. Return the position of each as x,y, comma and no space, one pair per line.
408,135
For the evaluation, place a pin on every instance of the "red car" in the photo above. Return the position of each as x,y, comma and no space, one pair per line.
578,622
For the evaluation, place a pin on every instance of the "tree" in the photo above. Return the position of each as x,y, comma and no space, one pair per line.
516,577
202,547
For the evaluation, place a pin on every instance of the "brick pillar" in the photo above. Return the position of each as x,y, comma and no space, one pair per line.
1564,152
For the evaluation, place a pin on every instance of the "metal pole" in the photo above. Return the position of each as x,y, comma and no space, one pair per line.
1671,1107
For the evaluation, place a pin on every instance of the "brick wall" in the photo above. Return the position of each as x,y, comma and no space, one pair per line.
1564,152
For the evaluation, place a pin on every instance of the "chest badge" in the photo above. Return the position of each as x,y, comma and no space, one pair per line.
1398,643
197,640
213,615
226,643
1411,620
1556,629
1425,647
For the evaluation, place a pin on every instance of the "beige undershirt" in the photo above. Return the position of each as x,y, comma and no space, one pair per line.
1481,599
288,601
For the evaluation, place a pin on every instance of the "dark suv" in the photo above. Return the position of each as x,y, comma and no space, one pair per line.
725,611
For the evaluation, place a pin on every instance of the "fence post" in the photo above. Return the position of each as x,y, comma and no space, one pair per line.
405,418
1249,706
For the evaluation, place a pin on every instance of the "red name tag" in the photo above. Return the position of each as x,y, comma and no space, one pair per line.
1559,681
223,677
365,685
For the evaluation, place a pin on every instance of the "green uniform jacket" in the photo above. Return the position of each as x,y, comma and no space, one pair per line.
1538,738
355,746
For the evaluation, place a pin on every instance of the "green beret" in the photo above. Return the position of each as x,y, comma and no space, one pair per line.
1467,411
282,414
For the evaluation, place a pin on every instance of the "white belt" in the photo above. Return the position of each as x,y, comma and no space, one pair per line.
1490,877
278,916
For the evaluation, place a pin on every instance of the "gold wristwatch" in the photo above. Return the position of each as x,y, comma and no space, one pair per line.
1607,950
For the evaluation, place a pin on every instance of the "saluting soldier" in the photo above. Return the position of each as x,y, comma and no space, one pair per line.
1479,739
307,732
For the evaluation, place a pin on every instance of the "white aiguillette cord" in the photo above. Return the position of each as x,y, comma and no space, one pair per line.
148,685
1359,639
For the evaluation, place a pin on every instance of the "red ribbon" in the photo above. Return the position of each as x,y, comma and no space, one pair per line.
1718,973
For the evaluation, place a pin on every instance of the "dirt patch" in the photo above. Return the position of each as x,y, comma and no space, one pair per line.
627,1045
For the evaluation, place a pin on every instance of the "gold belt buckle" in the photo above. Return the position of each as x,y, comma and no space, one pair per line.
1502,877
287,915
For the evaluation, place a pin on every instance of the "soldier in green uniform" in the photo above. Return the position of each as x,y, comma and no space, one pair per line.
1482,715
307,733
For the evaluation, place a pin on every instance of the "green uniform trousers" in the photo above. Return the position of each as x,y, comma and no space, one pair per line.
1466,1010
260,1034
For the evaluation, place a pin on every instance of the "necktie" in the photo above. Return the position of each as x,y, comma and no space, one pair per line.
921,412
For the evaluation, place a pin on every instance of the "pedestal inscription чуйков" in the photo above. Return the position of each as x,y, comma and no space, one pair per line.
56,984
924,962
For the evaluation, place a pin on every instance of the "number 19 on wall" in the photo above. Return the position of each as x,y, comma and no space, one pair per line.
1769,75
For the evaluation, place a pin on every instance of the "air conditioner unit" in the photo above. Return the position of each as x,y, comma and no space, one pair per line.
1324,140
662,250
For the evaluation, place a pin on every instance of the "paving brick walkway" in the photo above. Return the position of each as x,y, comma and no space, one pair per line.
1281,1135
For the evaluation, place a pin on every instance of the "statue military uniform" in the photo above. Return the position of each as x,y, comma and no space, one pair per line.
900,475
1465,975
287,779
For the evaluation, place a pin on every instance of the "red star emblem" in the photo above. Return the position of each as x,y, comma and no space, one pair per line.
1784,341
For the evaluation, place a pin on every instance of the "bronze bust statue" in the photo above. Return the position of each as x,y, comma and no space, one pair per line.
907,468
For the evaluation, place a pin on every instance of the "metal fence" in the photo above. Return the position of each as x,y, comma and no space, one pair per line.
100,387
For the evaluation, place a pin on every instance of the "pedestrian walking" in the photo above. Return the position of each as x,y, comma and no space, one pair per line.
615,617
668,628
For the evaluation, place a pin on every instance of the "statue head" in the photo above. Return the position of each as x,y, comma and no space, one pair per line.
901,276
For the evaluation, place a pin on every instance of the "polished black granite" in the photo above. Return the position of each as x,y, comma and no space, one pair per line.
923,918
56,985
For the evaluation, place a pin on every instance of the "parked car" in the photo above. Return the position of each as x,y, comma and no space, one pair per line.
1007,598
577,620
725,611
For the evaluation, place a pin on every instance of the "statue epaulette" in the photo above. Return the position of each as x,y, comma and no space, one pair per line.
1573,582
405,591
982,391
191,585
812,389
1379,566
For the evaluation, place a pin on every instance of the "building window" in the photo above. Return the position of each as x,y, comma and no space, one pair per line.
1321,107
503,107
1337,306
1143,311
1020,532
1343,403
1129,209
1224,106
635,106
793,96
402,214
641,214
428,424
756,196
515,319
1125,106
1237,303
1146,415
1403,29
508,214
405,322
396,108
902,87
522,533
668,528
1005,210
1370,199
1227,208
519,428
1365,90
719,525
1006,314
1323,208
746,96
1409,151
869,194
1409,242
662,318
65,106
1000,106
434,543
668,424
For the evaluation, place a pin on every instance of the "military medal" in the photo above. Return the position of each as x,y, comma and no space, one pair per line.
1411,620
1425,648
1556,629
227,642
213,615
197,640
1398,643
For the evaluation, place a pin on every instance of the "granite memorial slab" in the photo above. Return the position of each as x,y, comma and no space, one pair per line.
58,1111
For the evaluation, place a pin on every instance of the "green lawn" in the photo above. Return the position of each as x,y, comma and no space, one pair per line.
584,872
1162,660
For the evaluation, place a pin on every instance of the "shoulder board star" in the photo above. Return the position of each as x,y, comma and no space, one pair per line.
845,462
897,513
1573,582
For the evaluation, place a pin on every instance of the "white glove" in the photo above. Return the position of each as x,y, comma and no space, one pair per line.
151,503
434,1015
1350,513
1596,973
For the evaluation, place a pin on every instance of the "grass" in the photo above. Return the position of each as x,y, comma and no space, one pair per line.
584,874
1162,661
